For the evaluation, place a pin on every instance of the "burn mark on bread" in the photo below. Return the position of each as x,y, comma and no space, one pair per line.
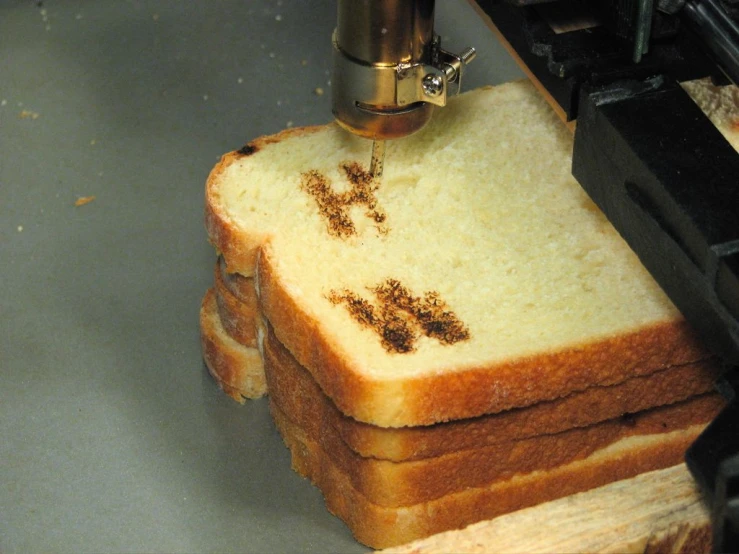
330,206
399,317
247,150
430,311
334,207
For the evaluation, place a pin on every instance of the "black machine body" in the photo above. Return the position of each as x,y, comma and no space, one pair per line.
657,167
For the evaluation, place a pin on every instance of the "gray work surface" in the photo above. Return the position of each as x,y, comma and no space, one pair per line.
113,438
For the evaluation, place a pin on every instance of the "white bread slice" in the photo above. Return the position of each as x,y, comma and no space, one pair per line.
296,392
381,527
479,208
237,369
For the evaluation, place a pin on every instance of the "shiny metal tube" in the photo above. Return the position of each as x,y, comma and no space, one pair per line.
374,40
385,31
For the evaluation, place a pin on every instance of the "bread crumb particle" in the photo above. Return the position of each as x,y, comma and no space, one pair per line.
27,114
278,17
303,62
20,228
155,17
318,91
82,200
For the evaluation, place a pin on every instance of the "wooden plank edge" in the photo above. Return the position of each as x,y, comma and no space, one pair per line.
512,51
659,511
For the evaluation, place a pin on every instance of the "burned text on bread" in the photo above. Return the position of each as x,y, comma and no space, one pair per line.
334,206
400,318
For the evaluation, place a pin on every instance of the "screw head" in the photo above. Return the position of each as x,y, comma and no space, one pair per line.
433,85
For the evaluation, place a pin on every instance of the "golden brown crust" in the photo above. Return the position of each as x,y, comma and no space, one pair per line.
238,314
239,286
473,391
294,389
393,484
381,527
237,369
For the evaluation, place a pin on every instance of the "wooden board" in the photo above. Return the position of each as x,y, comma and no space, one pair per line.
660,511
512,51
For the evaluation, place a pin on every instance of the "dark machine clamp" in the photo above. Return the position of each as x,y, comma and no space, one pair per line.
658,168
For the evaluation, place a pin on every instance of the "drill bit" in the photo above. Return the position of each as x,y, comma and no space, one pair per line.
378,158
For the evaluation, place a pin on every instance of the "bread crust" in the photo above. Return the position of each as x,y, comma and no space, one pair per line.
238,314
237,369
238,247
382,527
239,286
298,394
470,391
395,484
401,483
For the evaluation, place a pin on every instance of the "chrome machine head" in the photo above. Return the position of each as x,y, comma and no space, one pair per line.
389,70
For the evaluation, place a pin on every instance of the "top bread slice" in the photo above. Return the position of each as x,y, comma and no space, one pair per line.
476,276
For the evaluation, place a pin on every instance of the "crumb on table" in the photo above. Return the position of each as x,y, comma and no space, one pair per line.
82,200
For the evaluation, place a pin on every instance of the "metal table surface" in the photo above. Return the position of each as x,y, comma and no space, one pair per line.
113,438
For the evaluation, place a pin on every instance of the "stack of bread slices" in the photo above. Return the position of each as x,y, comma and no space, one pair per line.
462,338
